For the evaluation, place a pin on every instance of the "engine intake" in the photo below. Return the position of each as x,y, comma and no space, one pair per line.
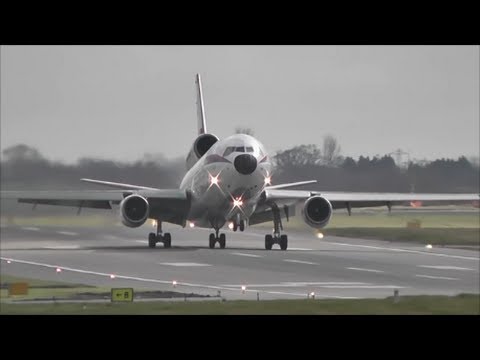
201,145
317,211
134,210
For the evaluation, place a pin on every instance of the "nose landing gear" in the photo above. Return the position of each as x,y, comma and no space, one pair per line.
213,238
276,238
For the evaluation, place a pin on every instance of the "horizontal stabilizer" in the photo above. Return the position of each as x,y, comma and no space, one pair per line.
118,185
283,186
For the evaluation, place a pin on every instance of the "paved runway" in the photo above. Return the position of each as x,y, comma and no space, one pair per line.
332,267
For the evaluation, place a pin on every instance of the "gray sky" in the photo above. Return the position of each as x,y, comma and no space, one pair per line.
120,102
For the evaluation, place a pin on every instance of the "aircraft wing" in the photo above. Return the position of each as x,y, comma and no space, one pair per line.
170,205
287,199
360,199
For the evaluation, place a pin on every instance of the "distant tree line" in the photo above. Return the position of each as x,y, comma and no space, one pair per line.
23,167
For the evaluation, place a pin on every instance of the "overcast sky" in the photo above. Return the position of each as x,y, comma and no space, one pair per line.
120,102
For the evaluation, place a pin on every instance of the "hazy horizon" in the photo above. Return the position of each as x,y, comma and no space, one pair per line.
120,102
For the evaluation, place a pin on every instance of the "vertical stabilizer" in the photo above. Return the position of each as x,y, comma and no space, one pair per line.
202,124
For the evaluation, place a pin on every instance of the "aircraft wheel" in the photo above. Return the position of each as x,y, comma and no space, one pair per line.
152,241
211,241
167,240
235,226
268,242
242,225
222,241
283,242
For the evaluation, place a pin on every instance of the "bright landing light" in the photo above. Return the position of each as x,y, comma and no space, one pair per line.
192,224
319,235
268,180
230,225
237,202
58,270
214,180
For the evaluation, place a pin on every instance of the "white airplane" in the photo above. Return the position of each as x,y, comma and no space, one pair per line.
228,182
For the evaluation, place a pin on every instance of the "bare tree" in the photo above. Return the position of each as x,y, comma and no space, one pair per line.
331,150
243,130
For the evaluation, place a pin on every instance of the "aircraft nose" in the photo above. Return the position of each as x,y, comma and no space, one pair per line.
245,164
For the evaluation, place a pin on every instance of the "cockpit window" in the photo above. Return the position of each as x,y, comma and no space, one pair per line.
228,151
240,149
249,149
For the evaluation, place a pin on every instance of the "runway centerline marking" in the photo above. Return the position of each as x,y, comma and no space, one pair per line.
248,255
299,249
436,277
183,264
368,270
442,267
141,241
300,262
408,251
31,228
69,233
297,284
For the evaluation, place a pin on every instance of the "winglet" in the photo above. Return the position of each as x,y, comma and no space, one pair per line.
202,124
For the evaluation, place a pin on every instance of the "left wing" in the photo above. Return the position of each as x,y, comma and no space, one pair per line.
171,205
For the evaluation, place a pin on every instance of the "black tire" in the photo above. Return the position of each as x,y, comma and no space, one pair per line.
152,240
268,242
222,241
242,225
235,226
283,242
211,241
167,240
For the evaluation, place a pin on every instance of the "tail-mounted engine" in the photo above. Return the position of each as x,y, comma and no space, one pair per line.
134,210
201,145
317,211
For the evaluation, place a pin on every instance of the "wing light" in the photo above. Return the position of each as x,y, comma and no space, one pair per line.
319,235
230,225
58,270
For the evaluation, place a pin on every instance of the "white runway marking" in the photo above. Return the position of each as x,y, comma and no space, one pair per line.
111,237
369,270
295,284
440,267
141,241
69,233
31,228
184,264
300,262
362,287
436,277
242,254
299,249
167,282
408,251
68,247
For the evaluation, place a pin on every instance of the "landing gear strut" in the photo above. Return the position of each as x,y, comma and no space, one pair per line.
239,225
276,238
154,238
214,238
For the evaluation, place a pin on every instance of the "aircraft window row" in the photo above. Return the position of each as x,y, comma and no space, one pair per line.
232,149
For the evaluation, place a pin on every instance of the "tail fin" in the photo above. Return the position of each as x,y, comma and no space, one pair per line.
202,123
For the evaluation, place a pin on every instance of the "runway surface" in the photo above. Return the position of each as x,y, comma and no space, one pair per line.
332,267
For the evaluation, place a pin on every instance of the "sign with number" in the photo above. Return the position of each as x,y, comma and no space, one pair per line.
122,294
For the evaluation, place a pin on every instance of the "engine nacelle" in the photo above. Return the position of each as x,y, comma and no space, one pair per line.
317,211
201,145
134,210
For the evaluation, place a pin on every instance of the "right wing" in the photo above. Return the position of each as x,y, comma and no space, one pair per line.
170,205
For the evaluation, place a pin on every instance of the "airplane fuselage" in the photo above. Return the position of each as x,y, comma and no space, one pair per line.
227,181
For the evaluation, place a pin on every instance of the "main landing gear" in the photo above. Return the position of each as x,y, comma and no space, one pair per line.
214,238
154,238
276,238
